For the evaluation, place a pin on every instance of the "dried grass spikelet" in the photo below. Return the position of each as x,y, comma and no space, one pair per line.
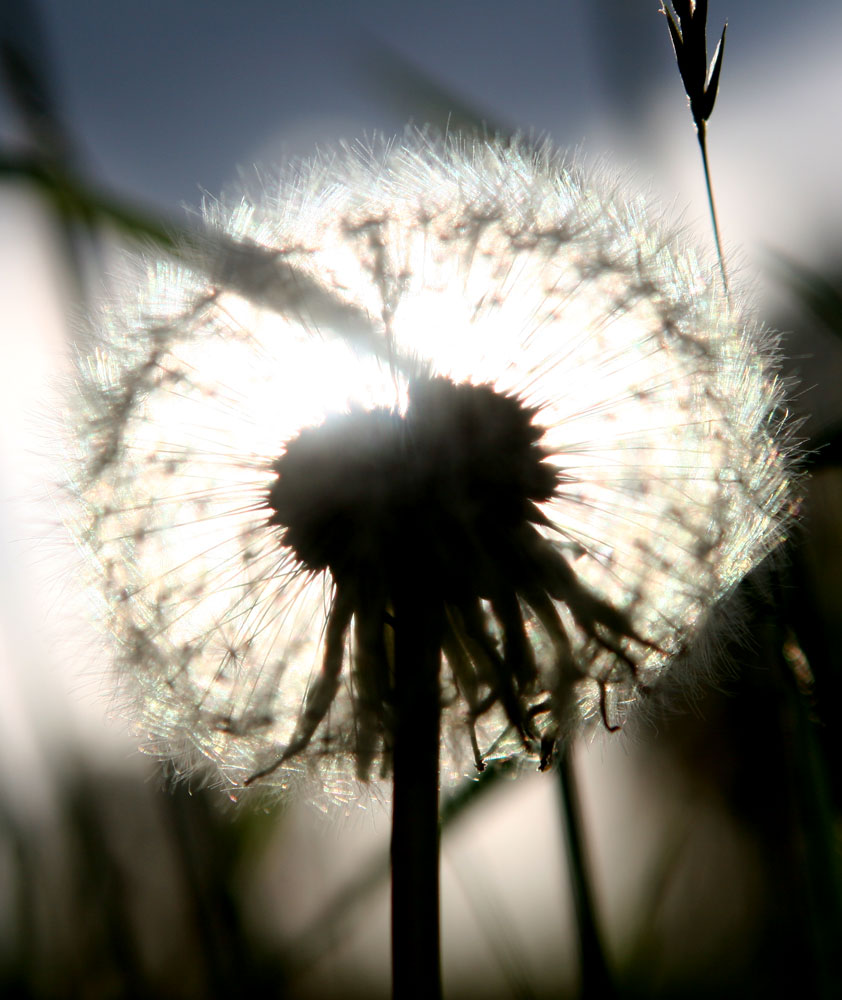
457,365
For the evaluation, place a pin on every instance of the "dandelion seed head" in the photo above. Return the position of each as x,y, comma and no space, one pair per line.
462,361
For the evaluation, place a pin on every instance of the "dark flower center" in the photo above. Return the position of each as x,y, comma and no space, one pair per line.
429,521
436,492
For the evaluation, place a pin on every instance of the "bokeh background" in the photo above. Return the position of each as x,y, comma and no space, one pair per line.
713,835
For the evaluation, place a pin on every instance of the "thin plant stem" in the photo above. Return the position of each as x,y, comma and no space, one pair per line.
416,961
687,23
703,145
597,983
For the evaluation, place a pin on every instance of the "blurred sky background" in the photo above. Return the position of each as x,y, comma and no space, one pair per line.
166,99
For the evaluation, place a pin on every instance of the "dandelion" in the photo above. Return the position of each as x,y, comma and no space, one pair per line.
461,369
437,443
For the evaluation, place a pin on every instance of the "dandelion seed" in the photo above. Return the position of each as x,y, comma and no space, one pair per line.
454,374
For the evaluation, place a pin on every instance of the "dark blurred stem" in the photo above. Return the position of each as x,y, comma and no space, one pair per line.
701,131
416,962
596,979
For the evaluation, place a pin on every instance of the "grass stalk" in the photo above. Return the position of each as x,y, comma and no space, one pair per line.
597,983
703,145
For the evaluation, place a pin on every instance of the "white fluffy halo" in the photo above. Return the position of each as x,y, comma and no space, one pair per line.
473,261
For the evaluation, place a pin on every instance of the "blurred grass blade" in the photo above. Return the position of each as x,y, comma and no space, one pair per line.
820,298
81,203
597,982
25,61
79,208
493,921
321,933
819,295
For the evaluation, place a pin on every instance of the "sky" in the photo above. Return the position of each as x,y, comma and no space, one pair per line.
167,99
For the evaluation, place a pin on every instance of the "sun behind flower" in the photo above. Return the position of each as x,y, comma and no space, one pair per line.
453,369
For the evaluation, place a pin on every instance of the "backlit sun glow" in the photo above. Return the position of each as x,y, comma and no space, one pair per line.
481,265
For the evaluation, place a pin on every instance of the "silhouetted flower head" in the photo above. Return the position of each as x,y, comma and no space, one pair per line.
454,369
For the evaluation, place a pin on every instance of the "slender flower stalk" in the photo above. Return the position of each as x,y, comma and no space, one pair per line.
427,456
416,963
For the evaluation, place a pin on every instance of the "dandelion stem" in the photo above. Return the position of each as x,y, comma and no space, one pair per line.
701,131
596,979
416,963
